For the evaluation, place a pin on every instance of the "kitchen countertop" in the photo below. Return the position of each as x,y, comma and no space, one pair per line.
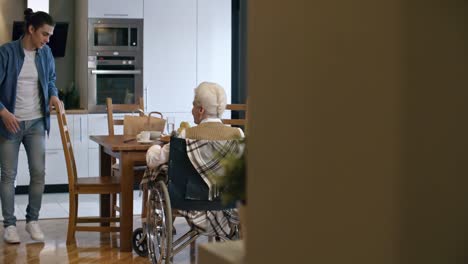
76,111
73,112
80,112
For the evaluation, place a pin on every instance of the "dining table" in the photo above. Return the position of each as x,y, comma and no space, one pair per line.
129,152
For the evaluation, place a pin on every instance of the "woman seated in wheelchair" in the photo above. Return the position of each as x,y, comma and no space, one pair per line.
208,107
206,144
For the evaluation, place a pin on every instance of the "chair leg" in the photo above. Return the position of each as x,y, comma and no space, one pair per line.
72,219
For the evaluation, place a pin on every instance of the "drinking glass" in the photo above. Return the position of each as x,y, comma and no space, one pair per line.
170,124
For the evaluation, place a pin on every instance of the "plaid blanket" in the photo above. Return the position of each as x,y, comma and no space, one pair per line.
212,223
152,175
206,156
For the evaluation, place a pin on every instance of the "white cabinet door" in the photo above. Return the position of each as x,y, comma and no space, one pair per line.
80,144
93,164
115,8
56,171
56,168
170,54
97,125
54,140
214,43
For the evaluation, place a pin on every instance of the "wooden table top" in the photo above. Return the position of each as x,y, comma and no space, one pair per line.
122,143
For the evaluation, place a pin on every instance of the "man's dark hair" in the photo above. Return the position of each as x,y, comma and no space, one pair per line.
37,19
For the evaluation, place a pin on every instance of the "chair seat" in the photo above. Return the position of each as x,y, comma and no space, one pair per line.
104,184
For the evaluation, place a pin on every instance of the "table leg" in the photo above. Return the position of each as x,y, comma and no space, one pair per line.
104,170
126,201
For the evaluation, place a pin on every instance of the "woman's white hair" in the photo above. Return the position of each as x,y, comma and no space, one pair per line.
212,97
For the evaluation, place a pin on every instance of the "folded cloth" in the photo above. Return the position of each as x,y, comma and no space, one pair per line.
206,156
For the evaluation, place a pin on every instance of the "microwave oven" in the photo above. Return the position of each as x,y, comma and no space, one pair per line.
110,34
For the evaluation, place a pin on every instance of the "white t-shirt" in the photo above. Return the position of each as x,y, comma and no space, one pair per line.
28,98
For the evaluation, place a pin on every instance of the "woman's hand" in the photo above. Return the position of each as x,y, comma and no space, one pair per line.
10,121
53,100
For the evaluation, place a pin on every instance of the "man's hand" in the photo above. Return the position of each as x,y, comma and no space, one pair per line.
53,100
10,121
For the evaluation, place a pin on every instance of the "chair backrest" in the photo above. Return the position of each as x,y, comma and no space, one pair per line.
238,114
67,145
123,108
186,187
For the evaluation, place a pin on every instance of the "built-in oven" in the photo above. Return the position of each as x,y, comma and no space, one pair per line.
118,76
115,34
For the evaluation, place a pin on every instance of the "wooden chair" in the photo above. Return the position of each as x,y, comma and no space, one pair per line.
111,125
241,109
123,108
112,122
89,185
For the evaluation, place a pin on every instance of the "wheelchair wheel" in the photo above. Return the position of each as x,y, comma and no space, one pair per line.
159,224
139,243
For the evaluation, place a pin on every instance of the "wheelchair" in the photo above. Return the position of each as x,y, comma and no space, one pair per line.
183,193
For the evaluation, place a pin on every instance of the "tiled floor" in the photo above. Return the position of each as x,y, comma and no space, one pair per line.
55,205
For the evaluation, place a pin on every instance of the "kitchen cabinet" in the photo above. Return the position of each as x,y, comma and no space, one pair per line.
115,9
80,139
97,125
56,170
54,140
214,43
185,43
169,63
93,164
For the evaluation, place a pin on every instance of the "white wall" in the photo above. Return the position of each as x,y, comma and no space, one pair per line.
38,5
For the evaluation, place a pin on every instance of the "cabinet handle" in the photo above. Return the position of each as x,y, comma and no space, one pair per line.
120,15
146,98
115,71
52,152
81,130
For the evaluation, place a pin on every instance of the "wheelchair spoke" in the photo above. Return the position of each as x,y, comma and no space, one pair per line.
159,224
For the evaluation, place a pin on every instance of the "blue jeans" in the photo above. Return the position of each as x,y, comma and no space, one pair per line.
32,135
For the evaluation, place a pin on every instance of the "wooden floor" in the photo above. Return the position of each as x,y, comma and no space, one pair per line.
90,247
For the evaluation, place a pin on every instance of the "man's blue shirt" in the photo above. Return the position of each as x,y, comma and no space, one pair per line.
11,62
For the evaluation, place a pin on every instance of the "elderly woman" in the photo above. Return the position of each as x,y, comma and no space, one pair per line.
208,107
